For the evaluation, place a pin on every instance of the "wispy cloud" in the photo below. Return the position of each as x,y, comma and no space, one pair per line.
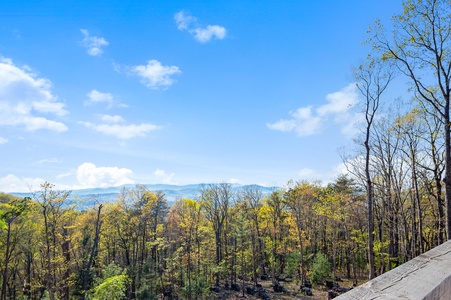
89,175
11,183
63,175
96,97
186,22
154,75
164,177
111,127
340,102
306,121
52,160
325,176
233,181
93,44
204,35
56,108
302,121
24,96
112,119
308,174
3,140
183,20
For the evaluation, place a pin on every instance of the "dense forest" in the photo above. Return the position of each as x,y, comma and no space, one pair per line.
141,248
393,204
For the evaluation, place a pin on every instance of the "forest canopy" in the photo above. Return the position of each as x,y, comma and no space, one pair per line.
140,248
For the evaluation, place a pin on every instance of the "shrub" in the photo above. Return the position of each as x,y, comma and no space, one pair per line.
320,269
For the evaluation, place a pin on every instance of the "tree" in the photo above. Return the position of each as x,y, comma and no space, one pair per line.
13,210
300,197
189,213
94,250
410,130
241,231
387,169
372,81
420,46
347,196
275,213
215,200
434,165
54,211
251,197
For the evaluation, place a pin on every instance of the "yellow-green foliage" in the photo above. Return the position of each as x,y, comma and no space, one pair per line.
112,288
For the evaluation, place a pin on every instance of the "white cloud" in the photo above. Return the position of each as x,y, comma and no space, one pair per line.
233,181
183,20
92,43
307,173
340,169
112,119
23,95
164,177
11,183
305,121
120,131
325,176
340,102
302,121
90,176
154,75
8,116
205,34
95,97
351,124
3,140
56,108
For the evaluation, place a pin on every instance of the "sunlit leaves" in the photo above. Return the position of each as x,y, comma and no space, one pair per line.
113,288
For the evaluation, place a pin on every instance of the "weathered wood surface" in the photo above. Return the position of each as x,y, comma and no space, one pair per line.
427,277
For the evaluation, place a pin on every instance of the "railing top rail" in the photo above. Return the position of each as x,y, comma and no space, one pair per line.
425,277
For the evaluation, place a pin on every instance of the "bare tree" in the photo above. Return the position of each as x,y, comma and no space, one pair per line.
372,81
420,45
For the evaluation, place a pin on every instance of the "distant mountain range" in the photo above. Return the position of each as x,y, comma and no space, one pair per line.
172,192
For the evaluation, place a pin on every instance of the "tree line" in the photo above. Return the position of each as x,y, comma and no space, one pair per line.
140,248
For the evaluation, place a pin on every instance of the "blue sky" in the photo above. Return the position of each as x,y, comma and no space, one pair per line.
105,93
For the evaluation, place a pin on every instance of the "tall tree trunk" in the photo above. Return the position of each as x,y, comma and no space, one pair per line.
6,261
301,250
441,214
447,169
66,254
48,272
418,204
370,202
254,258
218,253
93,253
